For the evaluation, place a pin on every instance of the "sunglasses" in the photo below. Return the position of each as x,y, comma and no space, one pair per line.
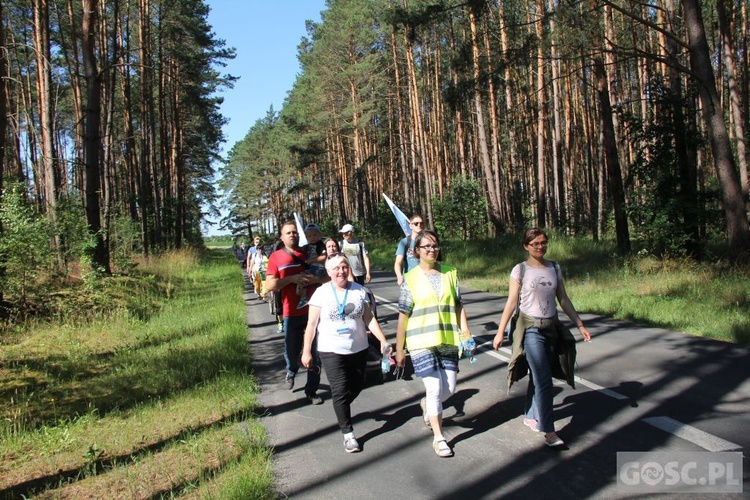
430,247
421,224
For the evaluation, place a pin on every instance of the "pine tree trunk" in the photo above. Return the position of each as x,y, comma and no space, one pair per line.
484,154
738,232
3,134
541,120
734,99
401,122
92,139
46,113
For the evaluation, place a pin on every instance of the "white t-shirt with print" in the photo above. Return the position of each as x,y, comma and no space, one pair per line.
337,335
538,290
355,252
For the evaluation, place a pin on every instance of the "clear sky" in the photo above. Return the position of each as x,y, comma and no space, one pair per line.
265,34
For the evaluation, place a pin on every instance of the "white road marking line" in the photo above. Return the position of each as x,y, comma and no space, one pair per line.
603,390
689,433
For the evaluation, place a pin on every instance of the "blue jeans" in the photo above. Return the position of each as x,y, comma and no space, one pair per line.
294,334
539,350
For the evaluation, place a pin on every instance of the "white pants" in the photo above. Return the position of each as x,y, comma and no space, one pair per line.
439,386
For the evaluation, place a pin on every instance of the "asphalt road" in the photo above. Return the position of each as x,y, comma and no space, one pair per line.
639,389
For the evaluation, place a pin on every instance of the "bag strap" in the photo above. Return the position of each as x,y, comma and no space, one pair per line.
558,272
297,259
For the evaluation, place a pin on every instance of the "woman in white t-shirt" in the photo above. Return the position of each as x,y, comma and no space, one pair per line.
340,314
540,337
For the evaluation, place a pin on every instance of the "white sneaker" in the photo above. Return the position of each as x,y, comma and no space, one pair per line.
351,445
551,439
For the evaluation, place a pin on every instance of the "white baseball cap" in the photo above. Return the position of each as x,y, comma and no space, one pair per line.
346,228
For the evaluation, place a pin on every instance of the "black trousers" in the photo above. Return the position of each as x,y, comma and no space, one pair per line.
346,375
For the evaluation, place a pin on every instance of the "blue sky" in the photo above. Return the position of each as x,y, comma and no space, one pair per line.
265,34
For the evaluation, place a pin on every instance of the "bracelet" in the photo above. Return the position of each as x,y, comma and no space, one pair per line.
579,326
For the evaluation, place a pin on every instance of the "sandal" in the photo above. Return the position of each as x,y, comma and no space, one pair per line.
441,448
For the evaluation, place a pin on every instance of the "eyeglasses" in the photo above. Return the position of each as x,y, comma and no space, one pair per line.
417,223
430,247
336,254
541,244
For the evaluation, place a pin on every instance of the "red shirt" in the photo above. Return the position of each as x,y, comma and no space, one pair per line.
281,265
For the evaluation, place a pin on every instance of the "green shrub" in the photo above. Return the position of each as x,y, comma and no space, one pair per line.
462,211
24,245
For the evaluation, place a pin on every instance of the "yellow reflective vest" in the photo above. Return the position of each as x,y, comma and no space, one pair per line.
434,320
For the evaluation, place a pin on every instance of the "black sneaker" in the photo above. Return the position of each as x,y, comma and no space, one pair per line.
314,399
289,382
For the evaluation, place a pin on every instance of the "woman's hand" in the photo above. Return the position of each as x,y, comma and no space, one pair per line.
585,333
498,340
307,358
400,358
385,345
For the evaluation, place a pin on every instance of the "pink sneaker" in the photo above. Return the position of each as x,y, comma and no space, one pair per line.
531,424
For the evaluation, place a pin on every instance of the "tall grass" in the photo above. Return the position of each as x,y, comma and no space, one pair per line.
164,395
705,299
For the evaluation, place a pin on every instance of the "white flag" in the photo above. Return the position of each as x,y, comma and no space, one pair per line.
300,230
401,217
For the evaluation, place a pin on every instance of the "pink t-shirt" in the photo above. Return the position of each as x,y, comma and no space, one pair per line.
538,290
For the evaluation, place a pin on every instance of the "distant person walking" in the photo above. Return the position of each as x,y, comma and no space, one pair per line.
341,315
240,252
406,256
258,266
541,343
357,254
287,269
430,320
250,253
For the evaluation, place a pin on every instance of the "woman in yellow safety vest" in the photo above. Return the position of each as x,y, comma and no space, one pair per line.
430,321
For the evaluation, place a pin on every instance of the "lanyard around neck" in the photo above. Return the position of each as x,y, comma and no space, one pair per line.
340,305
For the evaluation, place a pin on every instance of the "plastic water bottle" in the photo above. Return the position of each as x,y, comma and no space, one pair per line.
385,363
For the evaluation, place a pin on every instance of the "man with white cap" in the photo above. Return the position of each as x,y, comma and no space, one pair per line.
357,254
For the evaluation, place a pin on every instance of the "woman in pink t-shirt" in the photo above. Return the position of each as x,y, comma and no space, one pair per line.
535,286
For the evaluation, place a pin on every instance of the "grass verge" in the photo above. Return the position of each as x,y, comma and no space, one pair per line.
153,403
709,299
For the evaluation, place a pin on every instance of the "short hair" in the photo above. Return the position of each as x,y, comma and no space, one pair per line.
287,223
334,260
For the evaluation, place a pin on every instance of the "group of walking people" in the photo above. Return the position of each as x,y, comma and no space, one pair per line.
331,330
